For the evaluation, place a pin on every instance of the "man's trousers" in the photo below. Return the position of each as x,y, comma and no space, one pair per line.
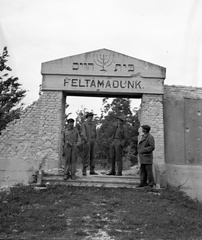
116,153
71,154
146,174
89,154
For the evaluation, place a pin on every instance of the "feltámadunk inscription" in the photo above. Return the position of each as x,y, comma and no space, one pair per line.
100,83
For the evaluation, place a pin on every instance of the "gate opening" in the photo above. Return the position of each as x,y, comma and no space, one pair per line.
106,109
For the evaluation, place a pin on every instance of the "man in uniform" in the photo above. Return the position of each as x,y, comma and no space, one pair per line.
71,142
119,141
88,135
146,147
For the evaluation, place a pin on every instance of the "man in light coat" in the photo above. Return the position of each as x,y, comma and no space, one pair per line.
146,147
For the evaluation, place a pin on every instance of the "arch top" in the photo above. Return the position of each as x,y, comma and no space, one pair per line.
103,70
103,62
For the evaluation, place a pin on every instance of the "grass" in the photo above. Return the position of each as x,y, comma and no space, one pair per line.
69,212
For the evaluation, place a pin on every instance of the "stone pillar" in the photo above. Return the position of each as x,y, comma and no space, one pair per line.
50,127
152,115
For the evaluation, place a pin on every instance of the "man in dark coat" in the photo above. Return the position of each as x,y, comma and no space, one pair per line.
146,147
88,135
119,141
71,140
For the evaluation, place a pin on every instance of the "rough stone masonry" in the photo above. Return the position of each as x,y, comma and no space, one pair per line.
32,141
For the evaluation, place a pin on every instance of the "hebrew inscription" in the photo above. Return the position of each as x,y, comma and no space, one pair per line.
103,61
90,67
124,67
87,66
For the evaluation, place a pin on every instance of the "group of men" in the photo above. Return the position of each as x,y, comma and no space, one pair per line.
87,138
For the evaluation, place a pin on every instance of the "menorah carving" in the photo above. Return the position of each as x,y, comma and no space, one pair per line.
103,60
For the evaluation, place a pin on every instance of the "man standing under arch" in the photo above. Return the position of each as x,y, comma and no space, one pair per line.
119,140
71,140
88,135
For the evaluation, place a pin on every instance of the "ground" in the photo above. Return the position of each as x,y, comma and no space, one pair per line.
87,213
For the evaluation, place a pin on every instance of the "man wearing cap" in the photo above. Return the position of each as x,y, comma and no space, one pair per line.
146,147
88,135
71,140
119,141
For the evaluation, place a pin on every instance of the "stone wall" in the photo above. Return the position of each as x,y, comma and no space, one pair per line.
33,141
152,114
175,99
180,173
181,92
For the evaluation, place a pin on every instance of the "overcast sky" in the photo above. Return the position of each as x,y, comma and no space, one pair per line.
163,32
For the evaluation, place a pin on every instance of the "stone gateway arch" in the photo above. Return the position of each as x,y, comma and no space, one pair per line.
108,73
34,140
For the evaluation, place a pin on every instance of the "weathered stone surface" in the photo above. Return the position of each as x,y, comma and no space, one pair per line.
179,172
151,113
27,143
185,177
